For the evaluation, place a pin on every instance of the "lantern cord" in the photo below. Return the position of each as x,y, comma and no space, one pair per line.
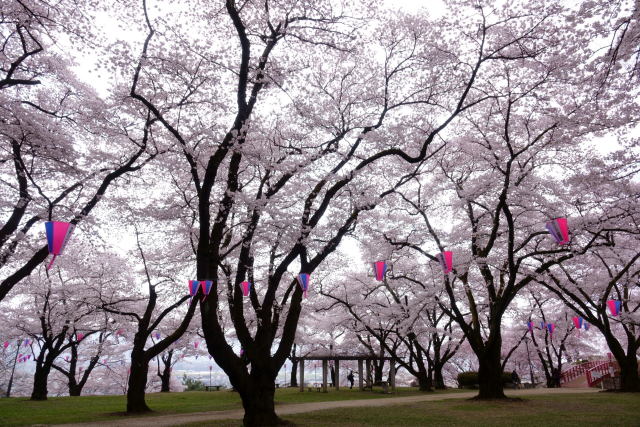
51,262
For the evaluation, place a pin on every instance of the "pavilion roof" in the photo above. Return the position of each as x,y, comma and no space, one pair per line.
341,356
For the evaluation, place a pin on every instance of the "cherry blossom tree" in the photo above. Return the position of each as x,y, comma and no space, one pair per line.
178,351
58,313
273,182
550,345
54,329
497,168
402,314
345,335
275,131
607,274
374,345
77,369
619,24
168,361
305,342
62,145
605,198
30,31
148,311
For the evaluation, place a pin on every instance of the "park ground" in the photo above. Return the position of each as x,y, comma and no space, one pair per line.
408,407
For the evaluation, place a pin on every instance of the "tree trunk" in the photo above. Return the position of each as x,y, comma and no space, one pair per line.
630,381
438,378
490,373
258,402
137,385
294,373
424,382
378,371
165,375
75,389
164,384
165,378
548,371
551,383
40,382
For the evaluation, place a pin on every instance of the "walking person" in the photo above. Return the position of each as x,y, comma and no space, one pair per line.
350,379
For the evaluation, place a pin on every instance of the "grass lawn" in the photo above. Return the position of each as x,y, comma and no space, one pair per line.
598,409
57,410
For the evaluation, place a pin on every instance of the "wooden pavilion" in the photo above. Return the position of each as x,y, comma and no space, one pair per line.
364,360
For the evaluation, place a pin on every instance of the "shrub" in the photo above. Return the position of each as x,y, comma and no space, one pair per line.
191,384
467,379
470,379
506,377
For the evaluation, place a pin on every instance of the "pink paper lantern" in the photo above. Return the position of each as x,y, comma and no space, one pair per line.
303,281
559,230
380,269
446,261
614,307
58,234
206,288
246,288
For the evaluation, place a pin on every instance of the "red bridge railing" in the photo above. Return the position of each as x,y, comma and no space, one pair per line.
595,371
579,370
596,374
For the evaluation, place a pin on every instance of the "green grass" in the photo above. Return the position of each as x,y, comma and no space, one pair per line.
580,410
58,410
611,409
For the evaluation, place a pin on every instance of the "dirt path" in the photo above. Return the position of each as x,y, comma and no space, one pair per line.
297,408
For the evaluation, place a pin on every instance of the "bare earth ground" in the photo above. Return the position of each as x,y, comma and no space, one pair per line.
297,408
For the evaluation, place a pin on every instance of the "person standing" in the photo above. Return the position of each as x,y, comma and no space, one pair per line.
515,379
350,379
